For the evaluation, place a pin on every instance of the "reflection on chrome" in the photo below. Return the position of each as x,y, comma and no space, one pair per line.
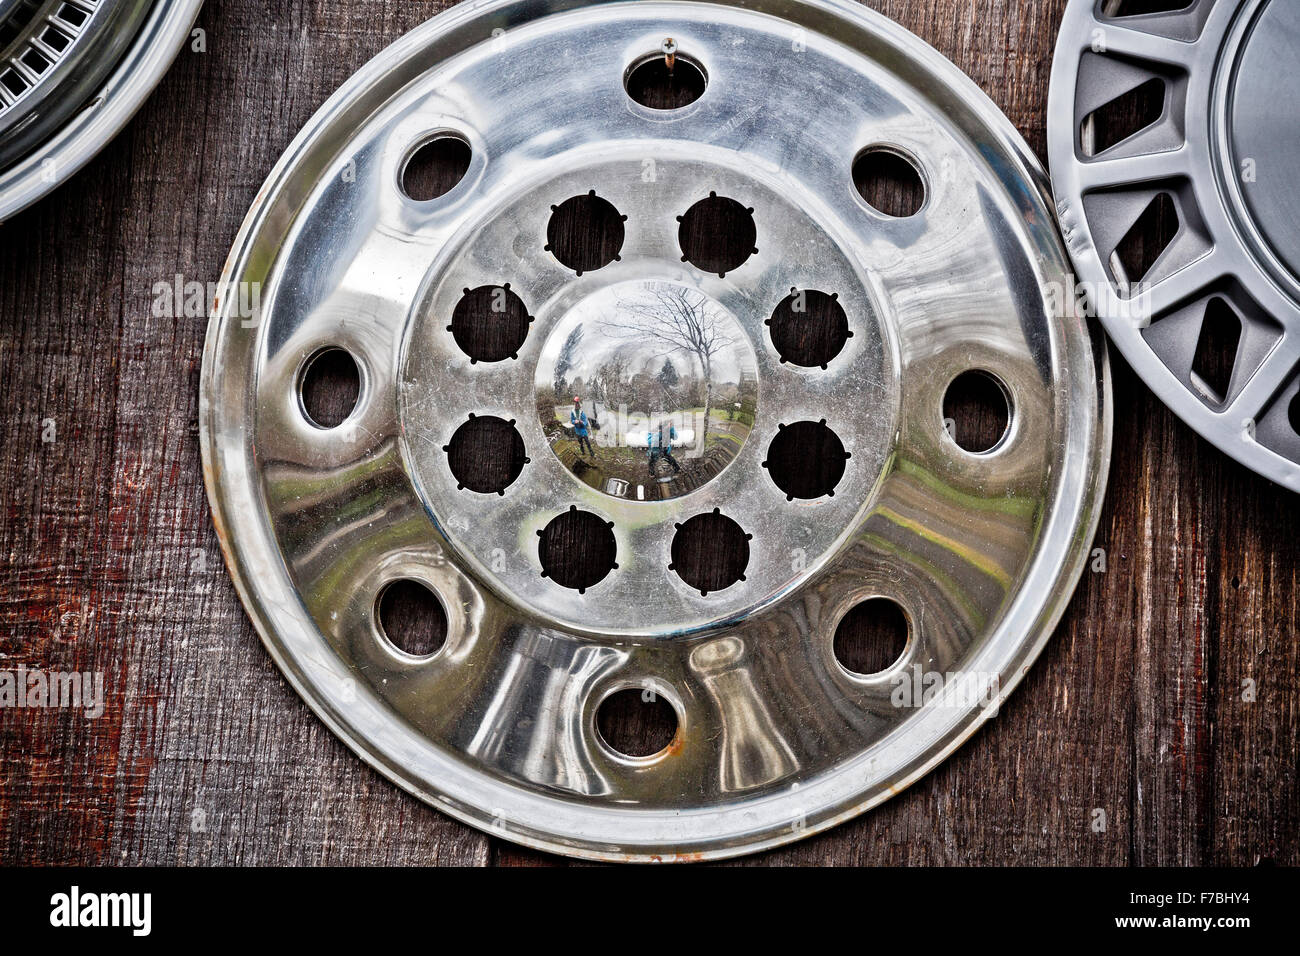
646,390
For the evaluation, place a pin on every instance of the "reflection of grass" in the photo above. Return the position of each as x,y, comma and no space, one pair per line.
622,455
950,587
733,438
971,555
1022,507
632,464
723,415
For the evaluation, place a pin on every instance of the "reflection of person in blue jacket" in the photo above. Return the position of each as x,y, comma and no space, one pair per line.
660,445
581,429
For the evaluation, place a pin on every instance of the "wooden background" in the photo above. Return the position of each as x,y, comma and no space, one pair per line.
1137,708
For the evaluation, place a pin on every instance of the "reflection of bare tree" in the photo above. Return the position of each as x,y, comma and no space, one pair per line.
608,381
668,380
673,318
568,357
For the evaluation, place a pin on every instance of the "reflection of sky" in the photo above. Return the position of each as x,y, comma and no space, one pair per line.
597,312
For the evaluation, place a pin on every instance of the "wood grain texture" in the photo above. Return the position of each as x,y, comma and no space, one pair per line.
1136,708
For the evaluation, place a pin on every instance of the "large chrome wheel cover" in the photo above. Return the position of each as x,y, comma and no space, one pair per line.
776,739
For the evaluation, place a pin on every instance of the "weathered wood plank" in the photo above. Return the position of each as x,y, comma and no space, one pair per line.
1138,707
112,561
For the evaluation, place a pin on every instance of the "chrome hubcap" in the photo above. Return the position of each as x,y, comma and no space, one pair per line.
567,572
